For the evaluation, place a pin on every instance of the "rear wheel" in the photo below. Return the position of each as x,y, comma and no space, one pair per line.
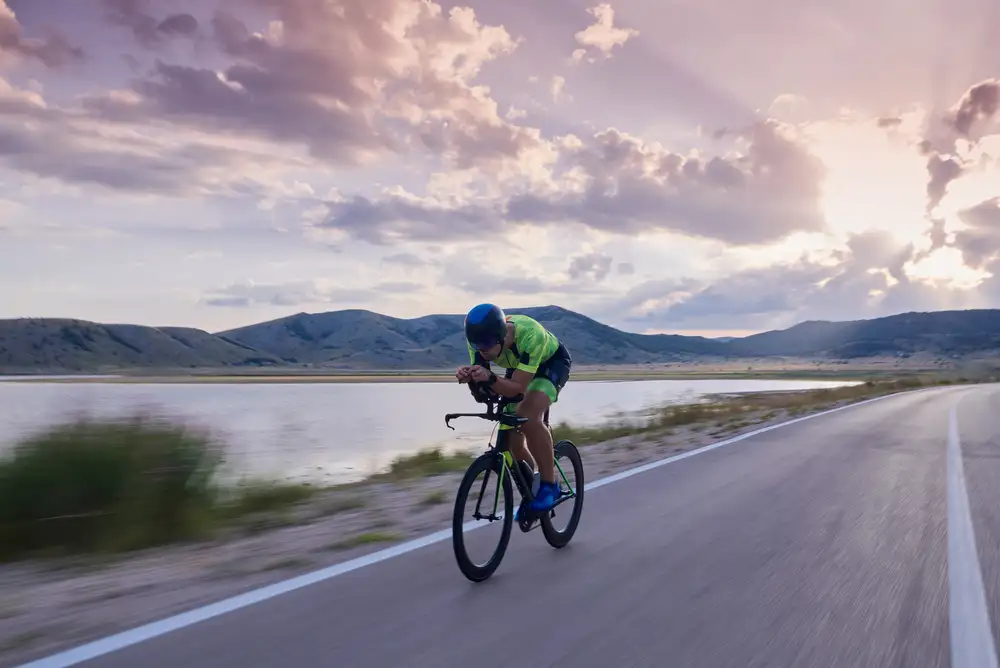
492,500
569,475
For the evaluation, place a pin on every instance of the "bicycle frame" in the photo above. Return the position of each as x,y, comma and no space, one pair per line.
501,451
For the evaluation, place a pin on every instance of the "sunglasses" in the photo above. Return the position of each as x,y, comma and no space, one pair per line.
485,344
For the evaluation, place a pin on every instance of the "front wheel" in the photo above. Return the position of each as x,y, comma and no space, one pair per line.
571,485
486,506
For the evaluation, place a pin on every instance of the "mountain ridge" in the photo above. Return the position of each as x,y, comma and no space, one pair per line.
359,339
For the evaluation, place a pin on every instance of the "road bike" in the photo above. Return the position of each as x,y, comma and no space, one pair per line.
499,461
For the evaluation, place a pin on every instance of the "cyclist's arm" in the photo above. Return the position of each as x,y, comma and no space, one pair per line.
532,348
474,387
513,386
476,359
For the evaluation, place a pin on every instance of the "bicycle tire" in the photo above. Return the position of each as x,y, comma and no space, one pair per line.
491,464
554,537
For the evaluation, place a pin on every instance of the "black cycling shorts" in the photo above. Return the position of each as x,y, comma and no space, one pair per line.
555,370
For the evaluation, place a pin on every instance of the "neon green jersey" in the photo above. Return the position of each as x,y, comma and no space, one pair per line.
533,344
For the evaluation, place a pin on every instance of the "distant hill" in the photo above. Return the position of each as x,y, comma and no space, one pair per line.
938,333
56,344
363,340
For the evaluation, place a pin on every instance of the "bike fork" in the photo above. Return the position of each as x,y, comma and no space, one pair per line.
496,497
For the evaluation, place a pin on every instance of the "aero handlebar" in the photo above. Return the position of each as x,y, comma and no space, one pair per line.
494,403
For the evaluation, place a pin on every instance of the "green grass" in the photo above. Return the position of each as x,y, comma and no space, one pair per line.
366,538
283,564
100,487
261,496
434,498
599,434
92,485
340,505
425,463
21,641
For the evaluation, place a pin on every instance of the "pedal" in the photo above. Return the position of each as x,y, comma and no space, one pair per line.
527,525
526,518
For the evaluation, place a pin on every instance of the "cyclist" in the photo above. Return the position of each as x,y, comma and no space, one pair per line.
538,366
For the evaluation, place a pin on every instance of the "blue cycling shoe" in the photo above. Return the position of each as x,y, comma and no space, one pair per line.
548,494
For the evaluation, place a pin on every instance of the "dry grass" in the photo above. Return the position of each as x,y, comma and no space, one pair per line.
267,496
425,463
366,538
434,498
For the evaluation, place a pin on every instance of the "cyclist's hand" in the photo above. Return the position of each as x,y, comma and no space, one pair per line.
462,373
479,393
479,374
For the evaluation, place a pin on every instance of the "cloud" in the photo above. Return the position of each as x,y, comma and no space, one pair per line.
601,36
643,303
594,266
8,209
622,184
350,81
980,242
558,87
298,293
54,51
400,287
519,275
514,113
617,183
969,119
409,260
867,278
889,121
754,292
979,103
146,28
52,142
404,217
942,171
495,284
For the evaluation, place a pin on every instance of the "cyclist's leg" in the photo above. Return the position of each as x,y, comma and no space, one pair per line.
543,391
515,439
536,402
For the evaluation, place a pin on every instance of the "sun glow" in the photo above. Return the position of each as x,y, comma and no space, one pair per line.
944,267
877,181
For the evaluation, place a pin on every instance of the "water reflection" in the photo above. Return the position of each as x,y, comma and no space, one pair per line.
332,431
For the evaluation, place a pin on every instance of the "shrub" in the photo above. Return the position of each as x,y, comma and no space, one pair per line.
426,463
106,485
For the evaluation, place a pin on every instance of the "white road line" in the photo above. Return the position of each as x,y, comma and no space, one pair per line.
113,643
969,621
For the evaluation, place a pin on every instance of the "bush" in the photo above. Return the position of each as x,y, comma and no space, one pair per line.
106,485
426,463
262,496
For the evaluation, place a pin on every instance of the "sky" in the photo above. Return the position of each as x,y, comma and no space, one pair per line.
700,167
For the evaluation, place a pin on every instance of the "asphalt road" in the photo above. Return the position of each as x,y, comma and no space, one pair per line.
824,543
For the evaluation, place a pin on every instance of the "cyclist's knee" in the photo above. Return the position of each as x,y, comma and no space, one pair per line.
534,421
533,415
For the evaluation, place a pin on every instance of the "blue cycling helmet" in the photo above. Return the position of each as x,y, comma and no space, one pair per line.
485,326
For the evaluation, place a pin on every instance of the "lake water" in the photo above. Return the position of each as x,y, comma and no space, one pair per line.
337,432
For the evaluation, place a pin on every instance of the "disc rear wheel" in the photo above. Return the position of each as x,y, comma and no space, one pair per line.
569,475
